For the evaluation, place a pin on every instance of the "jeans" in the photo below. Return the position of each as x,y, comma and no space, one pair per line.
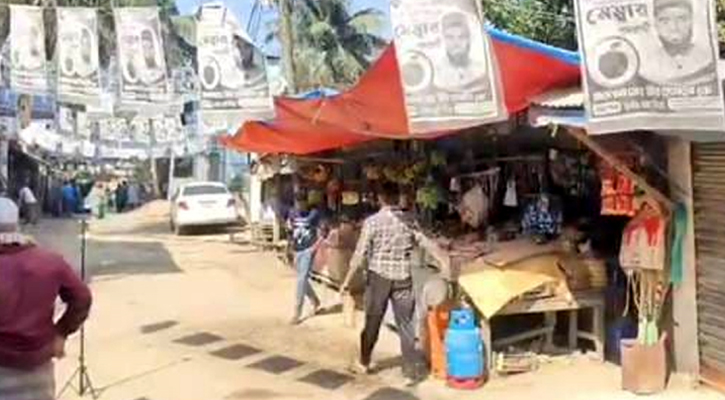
303,262
378,293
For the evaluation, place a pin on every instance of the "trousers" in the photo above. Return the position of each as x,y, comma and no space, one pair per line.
303,263
378,292
38,384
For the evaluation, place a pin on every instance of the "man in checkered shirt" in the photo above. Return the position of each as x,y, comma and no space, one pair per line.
386,245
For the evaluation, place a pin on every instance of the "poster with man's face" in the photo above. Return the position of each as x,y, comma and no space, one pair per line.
650,64
232,70
4,31
28,72
142,65
447,68
79,79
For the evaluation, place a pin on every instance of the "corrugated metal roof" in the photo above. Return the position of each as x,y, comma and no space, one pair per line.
571,97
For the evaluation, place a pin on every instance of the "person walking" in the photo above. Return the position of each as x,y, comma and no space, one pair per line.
304,224
133,196
29,204
69,199
121,197
386,246
32,279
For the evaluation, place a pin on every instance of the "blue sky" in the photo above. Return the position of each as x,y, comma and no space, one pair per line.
243,9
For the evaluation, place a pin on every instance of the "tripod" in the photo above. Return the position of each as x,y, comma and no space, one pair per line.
81,373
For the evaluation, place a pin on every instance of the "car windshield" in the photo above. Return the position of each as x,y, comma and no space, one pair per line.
204,190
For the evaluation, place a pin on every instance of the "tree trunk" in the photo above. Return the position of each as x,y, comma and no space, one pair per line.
287,37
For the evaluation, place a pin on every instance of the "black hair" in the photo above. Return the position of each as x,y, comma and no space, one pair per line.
390,192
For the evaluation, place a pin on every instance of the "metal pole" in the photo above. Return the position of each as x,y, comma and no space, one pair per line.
172,167
82,355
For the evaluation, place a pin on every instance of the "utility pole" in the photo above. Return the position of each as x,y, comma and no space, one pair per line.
288,38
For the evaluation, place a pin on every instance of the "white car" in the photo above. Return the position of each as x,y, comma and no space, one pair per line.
202,204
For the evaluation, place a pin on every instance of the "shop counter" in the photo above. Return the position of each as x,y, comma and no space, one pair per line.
550,307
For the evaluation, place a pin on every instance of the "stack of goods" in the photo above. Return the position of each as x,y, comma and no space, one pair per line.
618,193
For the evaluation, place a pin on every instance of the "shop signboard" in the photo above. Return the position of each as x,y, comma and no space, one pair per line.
650,64
232,71
79,79
447,65
142,65
28,65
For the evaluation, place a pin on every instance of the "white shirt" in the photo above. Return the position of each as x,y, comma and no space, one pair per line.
27,196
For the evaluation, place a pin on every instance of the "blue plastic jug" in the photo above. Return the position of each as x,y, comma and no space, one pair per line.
464,346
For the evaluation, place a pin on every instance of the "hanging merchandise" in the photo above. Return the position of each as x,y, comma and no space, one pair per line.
511,197
618,193
542,219
474,207
28,72
643,241
677,261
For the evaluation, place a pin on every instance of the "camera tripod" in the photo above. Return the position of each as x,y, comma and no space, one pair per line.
85,385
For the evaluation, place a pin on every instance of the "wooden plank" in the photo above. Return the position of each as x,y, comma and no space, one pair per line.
578,301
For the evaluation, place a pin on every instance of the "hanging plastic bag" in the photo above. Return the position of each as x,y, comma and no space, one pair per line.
511,198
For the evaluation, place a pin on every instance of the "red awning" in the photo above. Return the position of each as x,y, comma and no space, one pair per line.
375,109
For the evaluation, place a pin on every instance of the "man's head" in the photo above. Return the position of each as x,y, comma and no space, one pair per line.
246,53
389,194
456,38
149,47
673,20
8,215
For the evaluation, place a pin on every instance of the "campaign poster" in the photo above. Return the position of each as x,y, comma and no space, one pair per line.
28,64
232,71
447,66
650,64
79,80
142,64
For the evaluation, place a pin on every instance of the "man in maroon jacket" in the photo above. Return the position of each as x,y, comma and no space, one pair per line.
31,279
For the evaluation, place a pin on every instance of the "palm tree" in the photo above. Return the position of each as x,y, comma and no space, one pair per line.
332,47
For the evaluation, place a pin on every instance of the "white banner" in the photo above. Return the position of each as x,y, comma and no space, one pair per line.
650,64
142,64
232,71
4,30
28,66
79,80
446,63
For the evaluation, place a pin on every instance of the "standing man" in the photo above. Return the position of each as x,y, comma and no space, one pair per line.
304,222
386,245
31,279
29,204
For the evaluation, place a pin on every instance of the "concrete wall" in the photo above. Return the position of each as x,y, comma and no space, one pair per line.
685,342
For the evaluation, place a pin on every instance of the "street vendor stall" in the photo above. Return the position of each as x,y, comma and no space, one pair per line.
529,227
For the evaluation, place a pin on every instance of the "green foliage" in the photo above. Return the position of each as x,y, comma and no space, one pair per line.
332,46
547,21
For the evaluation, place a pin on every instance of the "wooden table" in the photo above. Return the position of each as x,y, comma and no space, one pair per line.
593,300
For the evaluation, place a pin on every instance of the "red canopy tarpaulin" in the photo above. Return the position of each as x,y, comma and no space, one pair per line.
375,107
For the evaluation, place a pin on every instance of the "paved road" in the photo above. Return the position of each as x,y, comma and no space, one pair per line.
199,318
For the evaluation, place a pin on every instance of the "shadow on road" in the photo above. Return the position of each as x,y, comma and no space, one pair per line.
129,258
